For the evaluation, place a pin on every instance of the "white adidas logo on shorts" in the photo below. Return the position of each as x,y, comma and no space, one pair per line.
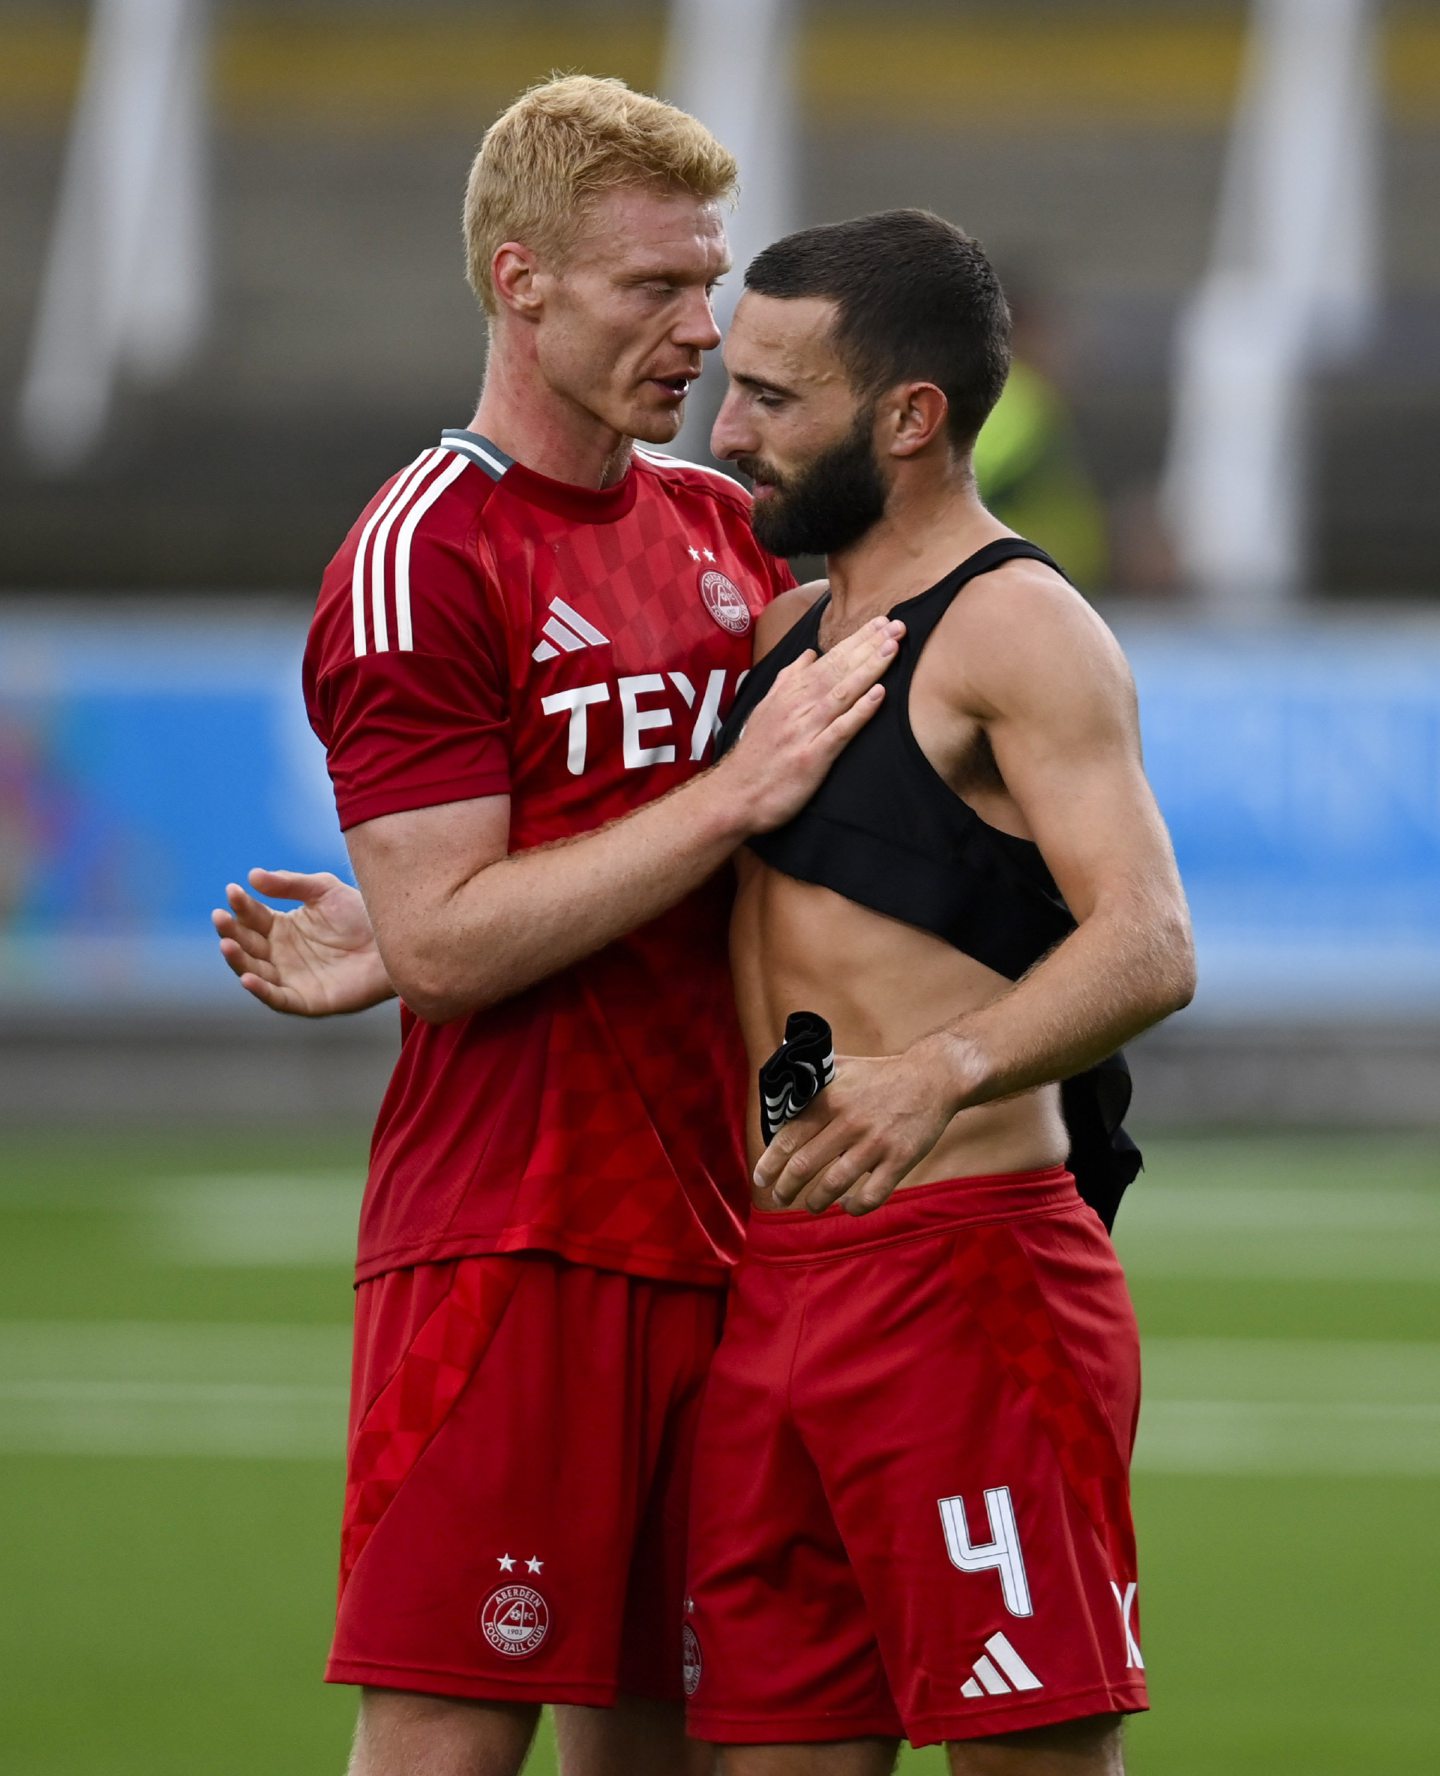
988,1680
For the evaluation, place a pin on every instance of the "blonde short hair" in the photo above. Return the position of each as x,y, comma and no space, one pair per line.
561,144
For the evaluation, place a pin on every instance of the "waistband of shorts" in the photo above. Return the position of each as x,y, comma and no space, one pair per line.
796,1235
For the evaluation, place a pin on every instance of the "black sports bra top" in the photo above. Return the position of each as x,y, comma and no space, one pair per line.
886,831
884,828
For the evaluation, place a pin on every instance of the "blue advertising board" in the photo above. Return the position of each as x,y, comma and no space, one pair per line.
146,759
1299,772
144,762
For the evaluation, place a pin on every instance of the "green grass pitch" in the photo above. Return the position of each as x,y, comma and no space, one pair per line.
172,1366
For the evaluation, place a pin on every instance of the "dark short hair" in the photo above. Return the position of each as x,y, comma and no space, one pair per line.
917,300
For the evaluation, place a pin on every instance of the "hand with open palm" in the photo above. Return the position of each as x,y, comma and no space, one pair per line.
313,961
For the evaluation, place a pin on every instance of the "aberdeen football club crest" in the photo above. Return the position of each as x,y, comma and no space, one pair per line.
691,1663
724,603
515,1620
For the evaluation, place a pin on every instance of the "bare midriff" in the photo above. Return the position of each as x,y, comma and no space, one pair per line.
881,985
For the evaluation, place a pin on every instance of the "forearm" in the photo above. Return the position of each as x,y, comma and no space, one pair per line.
1117,974
461,924
530,915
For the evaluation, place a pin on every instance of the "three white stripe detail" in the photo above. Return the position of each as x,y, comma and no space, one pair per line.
987,1681
357,572
369,568
404,638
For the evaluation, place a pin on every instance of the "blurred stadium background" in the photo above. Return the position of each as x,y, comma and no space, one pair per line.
233,303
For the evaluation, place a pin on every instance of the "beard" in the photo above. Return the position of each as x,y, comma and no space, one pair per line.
825,506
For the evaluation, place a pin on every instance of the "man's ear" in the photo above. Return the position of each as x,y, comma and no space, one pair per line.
515,272
911,417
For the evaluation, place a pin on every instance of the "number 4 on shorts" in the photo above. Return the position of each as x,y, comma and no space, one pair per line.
1000,1554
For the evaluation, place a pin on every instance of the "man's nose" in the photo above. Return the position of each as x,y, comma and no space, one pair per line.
731,436
697,325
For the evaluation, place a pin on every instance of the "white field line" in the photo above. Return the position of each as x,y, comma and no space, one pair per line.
223,1419
208,1352
1201,1264
268,1220
1306,1256
165,1350
1323,1371
1277,1406
220,1220
1318,1235
163,1389
85,1197
252,1222
277,1423
1213,1406
1152,1202
1350,1438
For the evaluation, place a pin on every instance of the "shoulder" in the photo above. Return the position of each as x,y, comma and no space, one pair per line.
437,499
783,613
409,554
442,492
1021,635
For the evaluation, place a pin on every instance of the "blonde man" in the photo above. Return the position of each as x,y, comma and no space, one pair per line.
526,641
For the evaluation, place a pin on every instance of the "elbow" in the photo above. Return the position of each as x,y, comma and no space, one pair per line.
1162,977
1177,977
1182,987
434,1008
433,992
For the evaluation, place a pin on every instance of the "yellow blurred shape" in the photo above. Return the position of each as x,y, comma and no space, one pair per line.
1084,66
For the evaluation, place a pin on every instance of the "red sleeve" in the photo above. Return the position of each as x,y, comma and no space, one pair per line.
411,727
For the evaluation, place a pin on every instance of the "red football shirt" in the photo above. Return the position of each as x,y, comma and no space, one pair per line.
487,631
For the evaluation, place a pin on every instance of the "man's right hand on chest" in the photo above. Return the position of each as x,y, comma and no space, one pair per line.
816,706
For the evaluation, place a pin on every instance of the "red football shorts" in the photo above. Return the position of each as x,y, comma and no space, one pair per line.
911,1510
519,1470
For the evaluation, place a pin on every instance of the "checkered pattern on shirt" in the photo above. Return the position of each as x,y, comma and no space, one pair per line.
598,1115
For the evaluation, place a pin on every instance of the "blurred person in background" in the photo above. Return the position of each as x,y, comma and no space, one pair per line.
1029,466
990,826
527,640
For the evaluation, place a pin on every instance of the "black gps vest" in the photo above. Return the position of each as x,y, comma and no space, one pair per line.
885,830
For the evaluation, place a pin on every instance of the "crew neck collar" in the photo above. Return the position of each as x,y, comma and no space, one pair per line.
595,505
